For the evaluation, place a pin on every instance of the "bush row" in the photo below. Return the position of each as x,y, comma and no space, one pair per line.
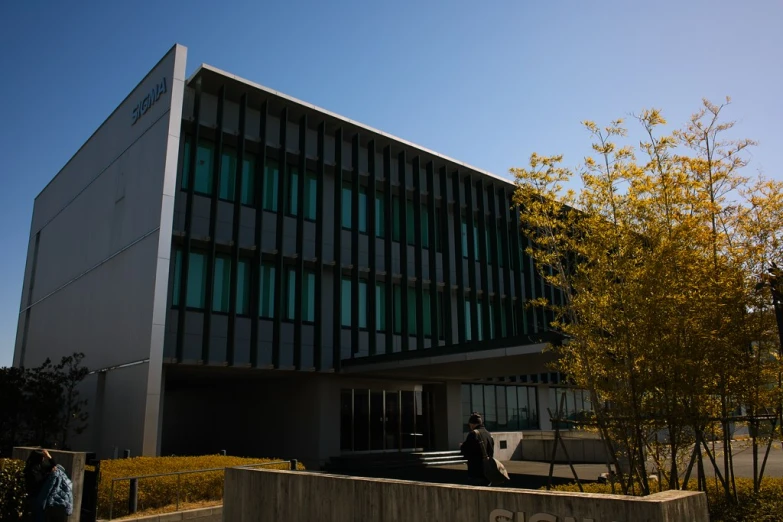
12,490
767,504
159,492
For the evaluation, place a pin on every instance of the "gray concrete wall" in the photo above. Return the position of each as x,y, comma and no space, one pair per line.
103,232
73,463
252,495
583,451
512,441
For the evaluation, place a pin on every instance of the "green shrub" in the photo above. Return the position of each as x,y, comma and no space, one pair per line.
160,492
12,490
767,505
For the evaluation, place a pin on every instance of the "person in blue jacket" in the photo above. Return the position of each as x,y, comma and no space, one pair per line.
49,490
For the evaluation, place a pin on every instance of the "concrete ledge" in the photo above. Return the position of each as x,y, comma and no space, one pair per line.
255,494
581,450
210,514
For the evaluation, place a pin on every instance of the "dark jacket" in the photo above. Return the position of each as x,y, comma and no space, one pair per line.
36,471
471,450
56,494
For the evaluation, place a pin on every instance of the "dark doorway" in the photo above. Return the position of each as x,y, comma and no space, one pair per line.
385,420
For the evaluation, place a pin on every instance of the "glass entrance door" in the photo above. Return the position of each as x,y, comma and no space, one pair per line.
385,420
377,421
392,420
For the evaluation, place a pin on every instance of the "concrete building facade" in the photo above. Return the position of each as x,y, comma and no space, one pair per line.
245,271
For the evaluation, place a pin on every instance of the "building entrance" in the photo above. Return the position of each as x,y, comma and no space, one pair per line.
383,420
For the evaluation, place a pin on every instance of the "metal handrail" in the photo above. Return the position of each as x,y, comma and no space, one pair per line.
178,474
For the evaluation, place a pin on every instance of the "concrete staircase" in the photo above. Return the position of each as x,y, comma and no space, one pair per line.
372,463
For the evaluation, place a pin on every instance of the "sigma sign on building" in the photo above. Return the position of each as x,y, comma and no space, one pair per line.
148,101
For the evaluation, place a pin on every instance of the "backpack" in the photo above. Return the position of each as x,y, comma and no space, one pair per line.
494,470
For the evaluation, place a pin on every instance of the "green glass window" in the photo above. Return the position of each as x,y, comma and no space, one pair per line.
243,287
308,296
425,227
362,304
501,251
442,317
290,309
412,319
468,329
310,195
464,239
479,322
363,209
345,308
411,224
186,163
293,192
222,284
228,173
491,320
380,307
380,228
504,320
438,232
177,284
489,246
204,165
310,192
347,207
476,241
396,218
197,280
267,290
271,185
427,311
397,309
248,196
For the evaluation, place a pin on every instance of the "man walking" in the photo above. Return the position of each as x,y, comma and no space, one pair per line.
472,451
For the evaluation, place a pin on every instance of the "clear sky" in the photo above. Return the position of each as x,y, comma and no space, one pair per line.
484,82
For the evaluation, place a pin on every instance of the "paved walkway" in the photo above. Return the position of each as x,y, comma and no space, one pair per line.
523,467
743,464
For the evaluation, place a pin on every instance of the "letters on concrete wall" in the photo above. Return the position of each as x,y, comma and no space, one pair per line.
148,101
503,515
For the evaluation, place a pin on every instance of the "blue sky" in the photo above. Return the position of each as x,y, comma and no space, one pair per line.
484,82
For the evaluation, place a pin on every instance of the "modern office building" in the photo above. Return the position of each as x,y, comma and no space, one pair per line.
245,271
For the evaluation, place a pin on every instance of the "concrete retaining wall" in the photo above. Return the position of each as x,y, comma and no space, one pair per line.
73,463
210,514
581,450
252,495
513,443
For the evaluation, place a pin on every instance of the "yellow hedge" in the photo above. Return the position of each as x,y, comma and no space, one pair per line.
12,490
159,492
767,504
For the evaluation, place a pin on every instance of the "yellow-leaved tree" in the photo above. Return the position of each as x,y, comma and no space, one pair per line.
658,257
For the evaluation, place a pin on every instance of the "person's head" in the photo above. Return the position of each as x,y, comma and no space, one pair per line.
475,420
39,460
